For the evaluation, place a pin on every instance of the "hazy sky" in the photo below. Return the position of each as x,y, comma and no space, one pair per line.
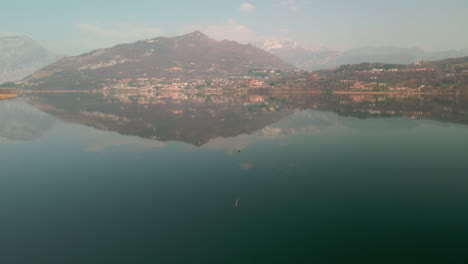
71,27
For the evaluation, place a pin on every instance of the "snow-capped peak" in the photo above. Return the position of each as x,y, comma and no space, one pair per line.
275,44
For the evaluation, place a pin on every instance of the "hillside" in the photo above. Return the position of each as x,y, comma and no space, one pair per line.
20,57
442,76
188,57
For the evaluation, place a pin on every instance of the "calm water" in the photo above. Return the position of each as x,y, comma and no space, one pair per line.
319,179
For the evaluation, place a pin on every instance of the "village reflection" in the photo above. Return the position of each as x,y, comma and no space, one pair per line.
198,117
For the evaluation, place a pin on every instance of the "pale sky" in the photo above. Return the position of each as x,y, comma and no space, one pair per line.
73,27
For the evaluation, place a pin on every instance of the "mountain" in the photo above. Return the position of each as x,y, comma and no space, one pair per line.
187,57
20,57
278,45
317,59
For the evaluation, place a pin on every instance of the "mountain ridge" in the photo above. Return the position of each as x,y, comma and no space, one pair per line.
20,56
190,56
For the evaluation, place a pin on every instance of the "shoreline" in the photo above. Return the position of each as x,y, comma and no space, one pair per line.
50,91
250,91
356,92
7,96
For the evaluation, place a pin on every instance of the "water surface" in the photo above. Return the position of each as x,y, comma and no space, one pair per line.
317,179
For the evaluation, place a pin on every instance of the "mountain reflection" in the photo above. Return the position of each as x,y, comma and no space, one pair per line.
199,118
20,122
195,120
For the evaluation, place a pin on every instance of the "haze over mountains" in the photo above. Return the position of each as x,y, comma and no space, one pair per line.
21,56
193,56
312,59
188,57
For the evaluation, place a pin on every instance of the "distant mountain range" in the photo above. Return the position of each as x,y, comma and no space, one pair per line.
21,56
316,59
187,57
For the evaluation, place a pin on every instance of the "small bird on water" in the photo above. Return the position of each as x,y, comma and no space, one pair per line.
236,205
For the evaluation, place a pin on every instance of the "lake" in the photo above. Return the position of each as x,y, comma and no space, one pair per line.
233,178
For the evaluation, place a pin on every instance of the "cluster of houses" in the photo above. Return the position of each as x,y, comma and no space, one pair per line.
375,70
373,85
154,84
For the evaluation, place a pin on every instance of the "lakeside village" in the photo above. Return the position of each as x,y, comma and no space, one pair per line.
146,91
265,79
416,78
150,89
